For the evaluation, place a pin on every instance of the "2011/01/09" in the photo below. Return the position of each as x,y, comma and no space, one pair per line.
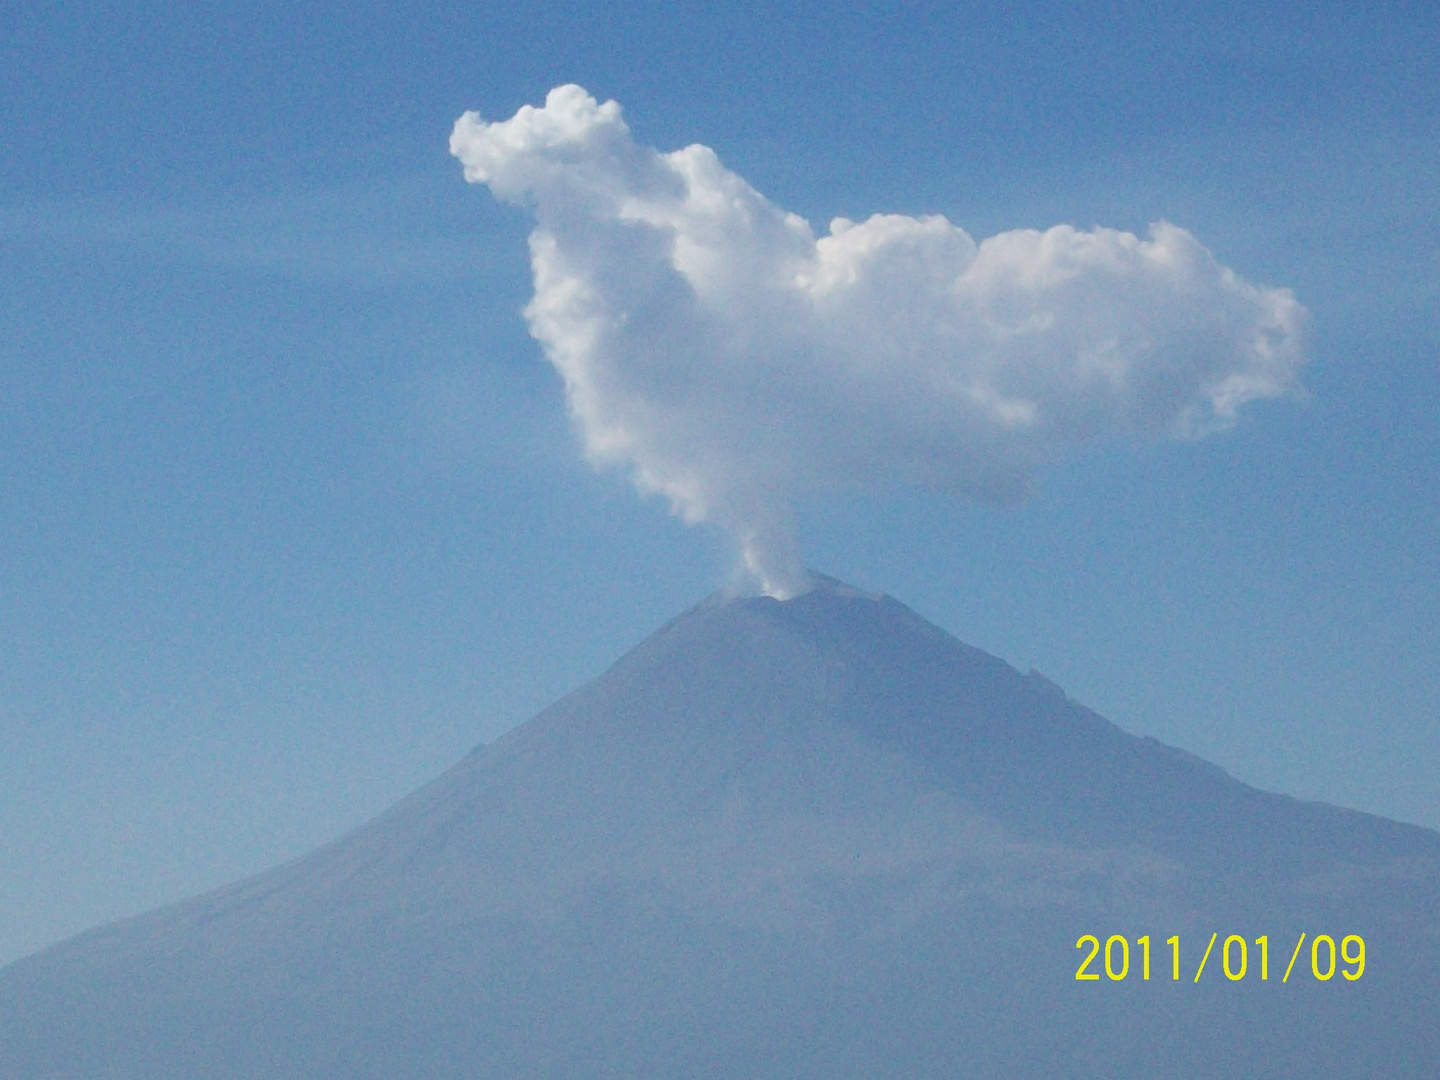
1234,957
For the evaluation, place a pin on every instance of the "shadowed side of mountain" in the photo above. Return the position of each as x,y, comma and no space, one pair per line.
1022,749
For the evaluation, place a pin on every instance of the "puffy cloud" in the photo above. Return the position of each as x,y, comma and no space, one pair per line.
712,345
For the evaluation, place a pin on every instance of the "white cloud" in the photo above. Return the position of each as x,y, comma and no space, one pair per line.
714,347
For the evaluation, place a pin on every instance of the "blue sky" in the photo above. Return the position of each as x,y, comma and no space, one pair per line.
291,513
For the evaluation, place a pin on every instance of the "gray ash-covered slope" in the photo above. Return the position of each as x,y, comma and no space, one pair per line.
812,838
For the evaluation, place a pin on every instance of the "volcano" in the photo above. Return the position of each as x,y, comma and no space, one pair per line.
810,838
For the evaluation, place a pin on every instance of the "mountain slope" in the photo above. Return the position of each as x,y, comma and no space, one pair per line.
811,838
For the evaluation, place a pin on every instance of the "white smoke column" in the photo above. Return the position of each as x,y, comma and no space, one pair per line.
714,347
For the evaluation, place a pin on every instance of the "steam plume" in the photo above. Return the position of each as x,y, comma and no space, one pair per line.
714,347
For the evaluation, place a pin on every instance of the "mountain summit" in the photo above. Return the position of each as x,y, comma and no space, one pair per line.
814,837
